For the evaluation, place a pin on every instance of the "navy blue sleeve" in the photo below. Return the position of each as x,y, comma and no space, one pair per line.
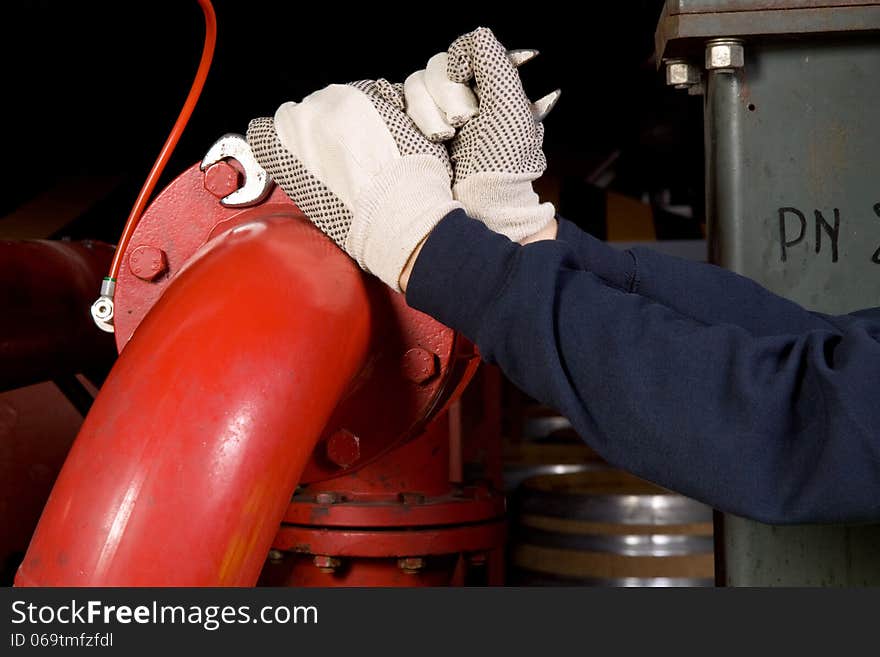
783,428
698,290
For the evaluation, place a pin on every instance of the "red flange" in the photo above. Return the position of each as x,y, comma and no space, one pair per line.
303,570
416,363
399,514
462,505
390,543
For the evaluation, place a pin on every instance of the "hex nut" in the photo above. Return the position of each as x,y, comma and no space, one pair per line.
681,74
411,498
411,565
327,498
326,564
478,559
724,54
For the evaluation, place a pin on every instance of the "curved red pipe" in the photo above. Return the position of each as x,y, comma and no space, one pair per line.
183,469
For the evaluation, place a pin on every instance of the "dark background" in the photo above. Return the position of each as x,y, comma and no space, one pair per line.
92,88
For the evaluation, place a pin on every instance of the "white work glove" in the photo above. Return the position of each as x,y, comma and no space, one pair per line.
496,154
360,170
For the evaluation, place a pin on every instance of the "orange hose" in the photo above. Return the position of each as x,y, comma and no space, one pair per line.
165,154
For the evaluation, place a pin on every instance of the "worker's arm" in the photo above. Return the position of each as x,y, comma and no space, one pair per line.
782,428
701,291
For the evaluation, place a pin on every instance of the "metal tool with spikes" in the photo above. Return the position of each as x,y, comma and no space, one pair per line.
520,56
543,106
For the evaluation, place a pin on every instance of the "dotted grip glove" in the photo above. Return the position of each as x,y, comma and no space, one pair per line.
360,170
497,152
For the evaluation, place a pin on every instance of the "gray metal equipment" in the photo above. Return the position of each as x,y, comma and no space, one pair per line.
792,141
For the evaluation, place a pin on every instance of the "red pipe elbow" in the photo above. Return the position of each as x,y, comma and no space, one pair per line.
186,464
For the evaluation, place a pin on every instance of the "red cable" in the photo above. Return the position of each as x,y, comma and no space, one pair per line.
165,154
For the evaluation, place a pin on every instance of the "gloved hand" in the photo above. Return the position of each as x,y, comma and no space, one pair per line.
496,154
360,170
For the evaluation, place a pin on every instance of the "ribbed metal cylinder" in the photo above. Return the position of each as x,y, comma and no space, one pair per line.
608,528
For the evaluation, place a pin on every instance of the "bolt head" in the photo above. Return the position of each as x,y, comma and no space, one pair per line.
147,262
326,564
276,556
327,498
478,559
411,498
221,179
724,54
411,565
681,74
419,365
343,448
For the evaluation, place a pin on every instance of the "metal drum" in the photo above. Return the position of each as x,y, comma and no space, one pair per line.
608,528
549,446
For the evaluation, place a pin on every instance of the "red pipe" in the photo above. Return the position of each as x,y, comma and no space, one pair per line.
185,466
46,331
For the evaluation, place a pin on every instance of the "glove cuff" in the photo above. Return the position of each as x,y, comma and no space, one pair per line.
396,211
505,202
